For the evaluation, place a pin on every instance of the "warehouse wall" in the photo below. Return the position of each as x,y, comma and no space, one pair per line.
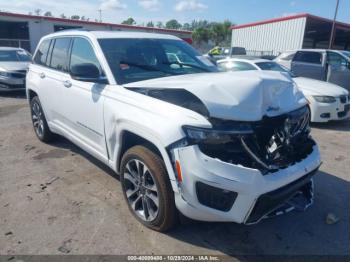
273,37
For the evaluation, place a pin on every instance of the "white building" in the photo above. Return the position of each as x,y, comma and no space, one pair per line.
287,33
19,30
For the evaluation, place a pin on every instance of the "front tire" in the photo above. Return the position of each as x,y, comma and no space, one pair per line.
40,126
147,189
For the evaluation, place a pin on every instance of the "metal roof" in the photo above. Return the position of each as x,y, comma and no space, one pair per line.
274,20
65,20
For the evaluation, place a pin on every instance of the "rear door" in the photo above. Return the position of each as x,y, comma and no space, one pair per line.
57,68
84,101
309,64
338,70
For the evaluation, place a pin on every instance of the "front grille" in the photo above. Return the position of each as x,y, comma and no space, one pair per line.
277,142
343,99
214,197
18,74
271,201
345,112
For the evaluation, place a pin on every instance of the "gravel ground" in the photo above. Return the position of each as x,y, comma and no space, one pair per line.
57,199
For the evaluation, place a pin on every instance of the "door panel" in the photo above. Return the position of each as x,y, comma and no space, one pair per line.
309,64
84,101
84,111
338,70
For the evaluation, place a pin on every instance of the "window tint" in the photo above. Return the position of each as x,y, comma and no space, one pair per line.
336,59
41,54
60,54
132,60
83,53
235,66
308,57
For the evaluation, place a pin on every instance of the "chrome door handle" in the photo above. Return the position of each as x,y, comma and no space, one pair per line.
42,75
67,83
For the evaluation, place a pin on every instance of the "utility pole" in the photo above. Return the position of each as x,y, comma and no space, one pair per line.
100,12
331,40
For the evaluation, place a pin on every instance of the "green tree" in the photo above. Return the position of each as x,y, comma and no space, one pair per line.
129,21
47,13
63,16
150,24
173,24
160,25
186,26
201,35
75,17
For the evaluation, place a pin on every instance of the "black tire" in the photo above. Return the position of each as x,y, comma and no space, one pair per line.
40,126
167,216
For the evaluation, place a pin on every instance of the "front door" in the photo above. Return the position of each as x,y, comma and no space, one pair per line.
84,107
338,70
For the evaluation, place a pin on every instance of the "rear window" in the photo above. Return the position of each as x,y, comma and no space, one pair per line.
59,58
41,55
308,57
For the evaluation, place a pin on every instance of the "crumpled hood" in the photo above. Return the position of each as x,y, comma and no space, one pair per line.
14,66
315,87
241,96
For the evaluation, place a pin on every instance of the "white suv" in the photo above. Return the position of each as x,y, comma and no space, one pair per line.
183,137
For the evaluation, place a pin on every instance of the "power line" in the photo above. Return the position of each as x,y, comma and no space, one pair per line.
331,40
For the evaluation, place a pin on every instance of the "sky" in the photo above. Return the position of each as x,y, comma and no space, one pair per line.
237,11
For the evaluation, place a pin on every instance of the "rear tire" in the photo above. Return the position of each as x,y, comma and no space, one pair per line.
147,189
40,126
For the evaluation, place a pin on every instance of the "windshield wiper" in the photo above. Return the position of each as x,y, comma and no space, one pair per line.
147,67
187,64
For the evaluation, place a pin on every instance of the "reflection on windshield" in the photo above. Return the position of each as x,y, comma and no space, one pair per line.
134,60
14,56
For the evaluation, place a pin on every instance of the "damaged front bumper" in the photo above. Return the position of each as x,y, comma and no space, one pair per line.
214,190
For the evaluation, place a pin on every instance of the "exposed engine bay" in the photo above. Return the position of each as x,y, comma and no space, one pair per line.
275,143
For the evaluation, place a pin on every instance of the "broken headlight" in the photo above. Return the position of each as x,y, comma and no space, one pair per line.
215,136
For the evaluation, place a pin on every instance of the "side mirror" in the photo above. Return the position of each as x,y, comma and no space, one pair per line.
87,73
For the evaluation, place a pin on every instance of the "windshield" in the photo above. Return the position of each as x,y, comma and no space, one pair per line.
134,60
14,56
346,53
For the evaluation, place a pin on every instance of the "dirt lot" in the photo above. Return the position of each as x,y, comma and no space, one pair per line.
56,199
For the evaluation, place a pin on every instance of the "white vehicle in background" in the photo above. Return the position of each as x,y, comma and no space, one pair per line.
14,63
183,136
327,101
285,58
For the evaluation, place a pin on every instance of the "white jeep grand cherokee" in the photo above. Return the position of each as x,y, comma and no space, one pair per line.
182,136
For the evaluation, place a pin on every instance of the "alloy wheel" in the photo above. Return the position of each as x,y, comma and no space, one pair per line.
141,190
37,117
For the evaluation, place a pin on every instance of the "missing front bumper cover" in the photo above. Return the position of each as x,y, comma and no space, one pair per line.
297,195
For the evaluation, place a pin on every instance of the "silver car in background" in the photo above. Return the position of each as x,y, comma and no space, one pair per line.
14,63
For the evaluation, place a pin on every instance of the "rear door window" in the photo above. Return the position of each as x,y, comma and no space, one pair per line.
59,58
83,53
308,57
42,53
